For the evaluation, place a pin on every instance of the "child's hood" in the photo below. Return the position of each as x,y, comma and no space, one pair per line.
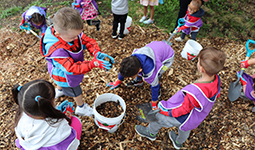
36,133
48,40
198,13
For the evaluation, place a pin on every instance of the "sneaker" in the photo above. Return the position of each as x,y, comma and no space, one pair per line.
142,131
121,36
179,39
98,25
84,111
135,83
142,19
149,21
114,36
173,136
58,93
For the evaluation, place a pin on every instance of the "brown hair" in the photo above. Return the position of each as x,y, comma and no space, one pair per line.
42,106
212,60
37,18
67,18
196,3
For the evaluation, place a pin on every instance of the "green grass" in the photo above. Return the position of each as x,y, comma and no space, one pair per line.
10,11
223,18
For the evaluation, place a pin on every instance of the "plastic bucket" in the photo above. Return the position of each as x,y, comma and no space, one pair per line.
127,27
108,124
191,50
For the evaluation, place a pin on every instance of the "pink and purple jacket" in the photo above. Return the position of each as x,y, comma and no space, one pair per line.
89,10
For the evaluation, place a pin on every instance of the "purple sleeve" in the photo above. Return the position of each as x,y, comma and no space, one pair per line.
120,77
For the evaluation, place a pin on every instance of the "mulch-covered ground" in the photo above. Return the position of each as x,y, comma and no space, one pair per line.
228,126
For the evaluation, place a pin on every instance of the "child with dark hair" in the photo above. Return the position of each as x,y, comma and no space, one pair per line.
88,10
193,21
36,17
187,108
248,82
148,62
38,124
62,46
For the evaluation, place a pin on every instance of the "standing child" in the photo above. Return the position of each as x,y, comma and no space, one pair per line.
88,10
38,125
36,17
62,46
189,107
248,82
120,11
148,62
145,4
193,21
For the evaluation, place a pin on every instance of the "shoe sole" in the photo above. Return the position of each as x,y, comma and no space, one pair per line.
137,85
173,141
144,136
114,36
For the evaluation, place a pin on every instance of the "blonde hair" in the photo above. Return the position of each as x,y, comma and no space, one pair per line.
66,19
212,60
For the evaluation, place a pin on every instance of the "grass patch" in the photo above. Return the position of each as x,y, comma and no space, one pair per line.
10,11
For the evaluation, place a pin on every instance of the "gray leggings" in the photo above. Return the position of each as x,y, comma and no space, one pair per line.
193,35
168,122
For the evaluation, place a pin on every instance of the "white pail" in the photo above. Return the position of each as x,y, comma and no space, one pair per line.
127,27
191,50
108,124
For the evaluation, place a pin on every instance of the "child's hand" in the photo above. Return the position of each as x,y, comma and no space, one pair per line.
163,111
114,85
244,64
67,108
243,81
176,30
102,56
102,64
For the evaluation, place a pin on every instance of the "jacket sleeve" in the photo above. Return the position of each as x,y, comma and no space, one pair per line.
90,44
70,67
186,106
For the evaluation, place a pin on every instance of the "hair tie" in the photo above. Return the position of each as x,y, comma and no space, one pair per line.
36,98
19,87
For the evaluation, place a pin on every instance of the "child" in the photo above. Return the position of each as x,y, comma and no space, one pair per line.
183,8
38,125
189,106
120,11
148,62
88,10
36,17
62,46
145,4
248,82
193,21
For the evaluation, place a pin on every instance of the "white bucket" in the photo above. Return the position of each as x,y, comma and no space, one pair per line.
108,124
127,27
191,50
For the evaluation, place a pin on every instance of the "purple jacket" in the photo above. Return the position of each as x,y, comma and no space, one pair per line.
249,86
162,55
197,115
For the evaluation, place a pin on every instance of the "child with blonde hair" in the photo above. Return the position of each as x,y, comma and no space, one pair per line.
62,46
187,108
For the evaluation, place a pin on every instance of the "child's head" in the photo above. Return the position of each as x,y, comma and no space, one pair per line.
211,60
130,67
36,99
68,24
37,19
194,6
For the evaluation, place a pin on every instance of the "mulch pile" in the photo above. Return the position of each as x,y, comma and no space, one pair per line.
228,126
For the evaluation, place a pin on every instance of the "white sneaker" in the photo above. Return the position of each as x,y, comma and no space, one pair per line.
58,93
179,39
84,111
149,21
142,20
